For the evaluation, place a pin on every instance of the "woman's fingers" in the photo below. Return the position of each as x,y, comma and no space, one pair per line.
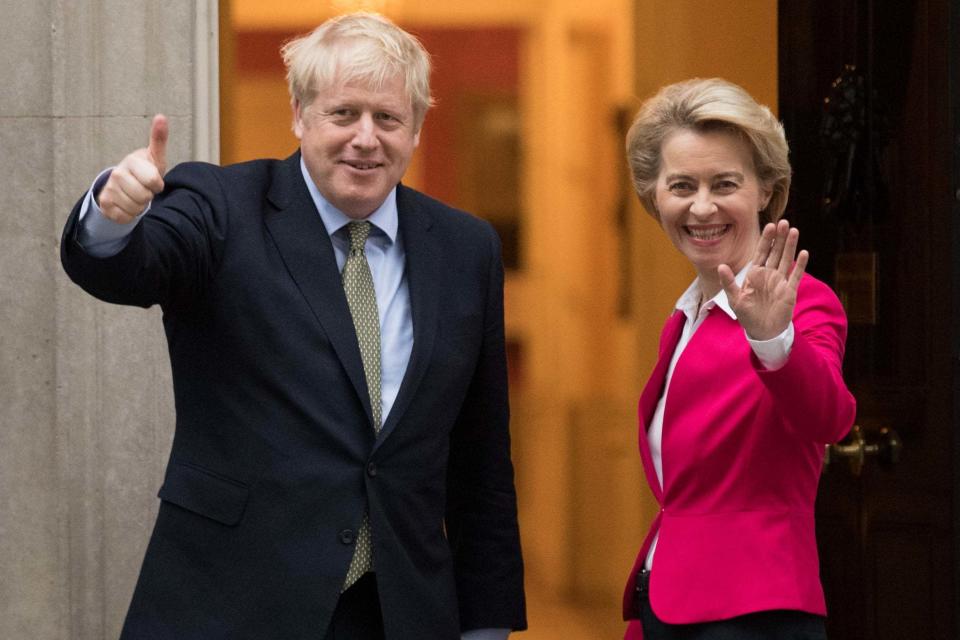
728,281
779,240
777,247
789,251
799,269
764,244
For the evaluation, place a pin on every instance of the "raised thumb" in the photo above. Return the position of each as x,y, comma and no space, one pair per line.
159,132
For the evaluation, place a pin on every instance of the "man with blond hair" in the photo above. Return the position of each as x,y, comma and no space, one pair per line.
341,459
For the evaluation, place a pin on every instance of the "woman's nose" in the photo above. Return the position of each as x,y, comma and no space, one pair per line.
703,204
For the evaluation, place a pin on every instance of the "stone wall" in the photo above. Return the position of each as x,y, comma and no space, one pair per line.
86,409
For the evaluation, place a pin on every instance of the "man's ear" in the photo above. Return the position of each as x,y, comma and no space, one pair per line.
297,110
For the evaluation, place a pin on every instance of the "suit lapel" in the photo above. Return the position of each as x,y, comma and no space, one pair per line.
305,247
422,263
652,392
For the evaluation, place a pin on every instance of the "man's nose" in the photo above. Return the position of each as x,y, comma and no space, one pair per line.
365,132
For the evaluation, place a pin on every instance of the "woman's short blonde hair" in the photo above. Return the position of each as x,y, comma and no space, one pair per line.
709,105
358,47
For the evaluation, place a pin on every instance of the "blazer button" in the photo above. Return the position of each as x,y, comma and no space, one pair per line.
372,470
346,536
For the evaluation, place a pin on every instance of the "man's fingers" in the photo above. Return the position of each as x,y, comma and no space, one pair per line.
130,188
143,170
118,206
135,187
138,177
157,149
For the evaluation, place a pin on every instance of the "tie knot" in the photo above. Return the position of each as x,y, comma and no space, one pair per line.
359,231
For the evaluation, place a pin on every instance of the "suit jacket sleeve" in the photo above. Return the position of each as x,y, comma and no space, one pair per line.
809,388
171,253
481,515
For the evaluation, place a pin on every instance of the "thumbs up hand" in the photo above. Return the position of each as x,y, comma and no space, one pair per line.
138,178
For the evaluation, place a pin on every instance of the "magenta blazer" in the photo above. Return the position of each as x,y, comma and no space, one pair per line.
742,450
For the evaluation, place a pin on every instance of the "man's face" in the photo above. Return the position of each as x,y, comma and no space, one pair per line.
357,142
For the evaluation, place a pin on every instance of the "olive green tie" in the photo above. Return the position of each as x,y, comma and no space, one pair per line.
362,300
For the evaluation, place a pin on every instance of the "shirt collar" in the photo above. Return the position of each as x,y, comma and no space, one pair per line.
690,300
383,218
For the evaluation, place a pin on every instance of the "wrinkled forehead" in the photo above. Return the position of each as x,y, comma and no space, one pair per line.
705,146
387,93
387,82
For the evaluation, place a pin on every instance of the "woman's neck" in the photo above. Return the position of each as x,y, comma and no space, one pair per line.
709,287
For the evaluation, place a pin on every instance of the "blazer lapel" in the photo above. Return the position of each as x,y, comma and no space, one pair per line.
422,263
652,392
305,248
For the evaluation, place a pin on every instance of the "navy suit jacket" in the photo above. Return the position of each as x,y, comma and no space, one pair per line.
274,457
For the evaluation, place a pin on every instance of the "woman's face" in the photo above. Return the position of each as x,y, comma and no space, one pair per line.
709,198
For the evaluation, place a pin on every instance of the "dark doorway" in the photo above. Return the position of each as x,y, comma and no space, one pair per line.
868,94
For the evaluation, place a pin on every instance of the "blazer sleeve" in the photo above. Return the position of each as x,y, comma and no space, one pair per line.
481,512
809,389
171,254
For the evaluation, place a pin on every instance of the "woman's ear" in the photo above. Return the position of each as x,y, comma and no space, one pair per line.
651,209
766,194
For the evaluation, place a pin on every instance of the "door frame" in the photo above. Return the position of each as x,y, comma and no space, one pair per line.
953,74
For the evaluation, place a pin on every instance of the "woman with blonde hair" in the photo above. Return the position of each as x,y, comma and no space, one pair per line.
747,388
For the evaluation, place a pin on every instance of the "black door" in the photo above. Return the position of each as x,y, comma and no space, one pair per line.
867,92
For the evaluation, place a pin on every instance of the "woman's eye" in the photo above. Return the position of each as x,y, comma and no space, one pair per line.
680,187
726,186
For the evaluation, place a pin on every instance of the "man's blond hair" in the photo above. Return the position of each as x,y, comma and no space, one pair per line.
361,48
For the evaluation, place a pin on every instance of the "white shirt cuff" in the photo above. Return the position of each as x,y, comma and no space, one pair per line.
100,236
773,353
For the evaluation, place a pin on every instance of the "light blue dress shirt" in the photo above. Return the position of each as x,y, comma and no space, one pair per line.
101,237
386,258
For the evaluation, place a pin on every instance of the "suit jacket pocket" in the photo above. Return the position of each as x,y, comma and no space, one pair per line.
204,493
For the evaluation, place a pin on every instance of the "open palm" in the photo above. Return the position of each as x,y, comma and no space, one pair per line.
764,302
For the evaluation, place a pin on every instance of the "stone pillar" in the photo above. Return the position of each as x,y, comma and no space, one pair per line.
86,409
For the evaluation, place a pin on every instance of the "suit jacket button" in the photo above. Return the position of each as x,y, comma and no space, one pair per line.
346,536
372,469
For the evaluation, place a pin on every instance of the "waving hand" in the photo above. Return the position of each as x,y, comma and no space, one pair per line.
764,303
